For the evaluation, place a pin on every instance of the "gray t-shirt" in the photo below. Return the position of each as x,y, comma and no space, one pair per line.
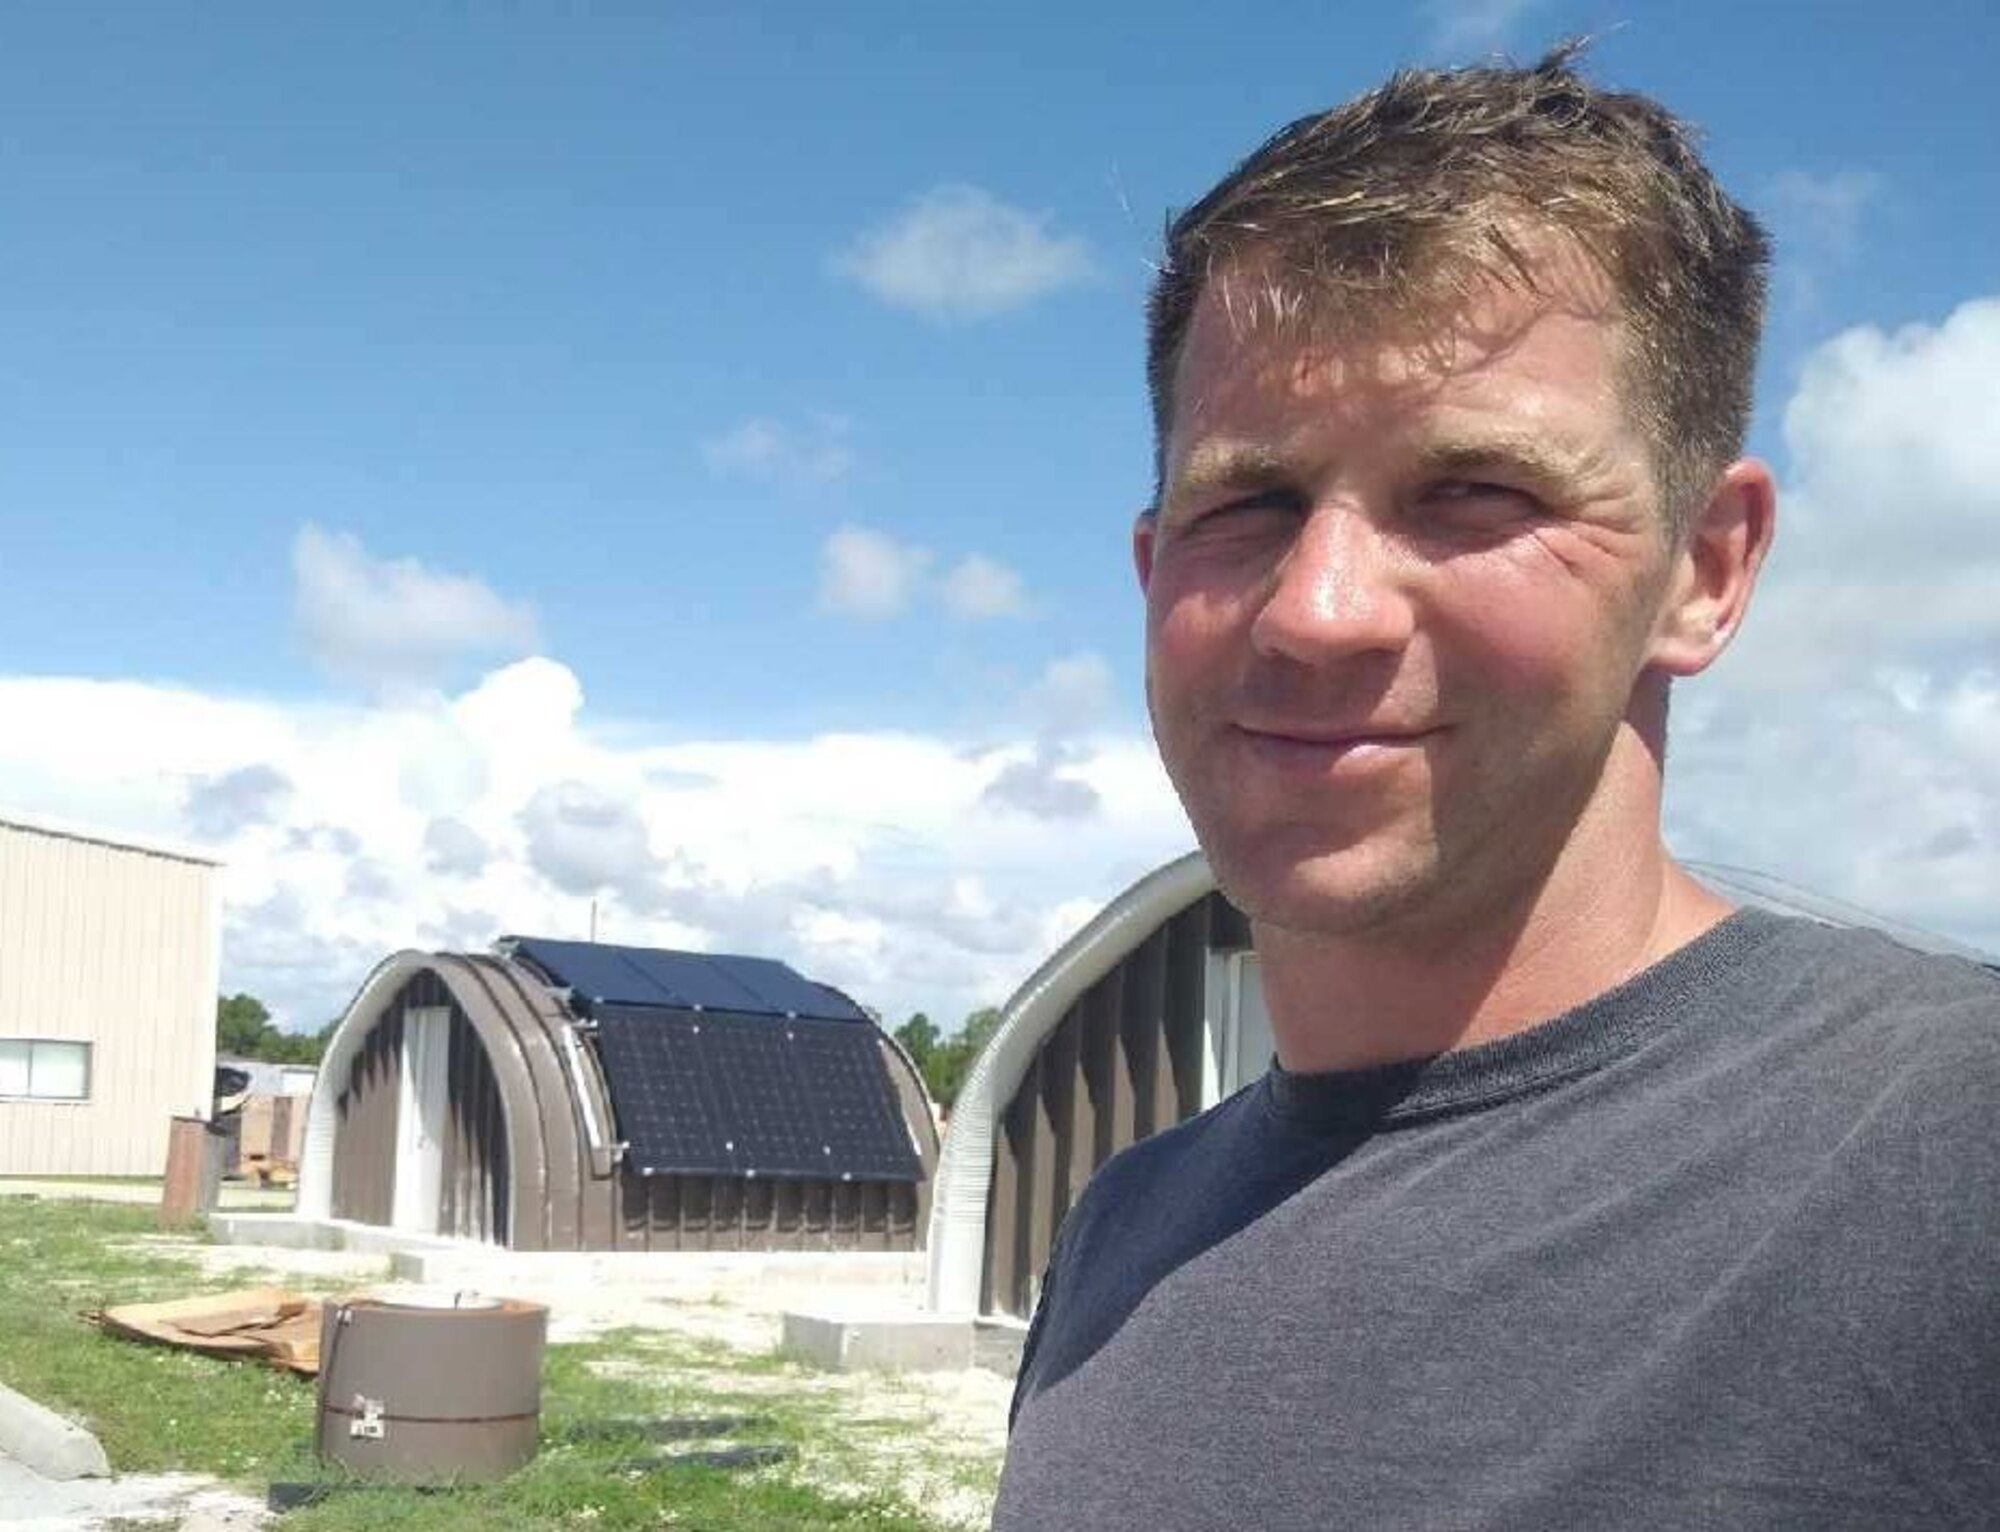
1715,1250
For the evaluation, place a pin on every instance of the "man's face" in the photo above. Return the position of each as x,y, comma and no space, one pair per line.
1398,596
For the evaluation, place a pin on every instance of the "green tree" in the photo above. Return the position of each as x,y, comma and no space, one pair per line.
919,1037
242,1027
243,1030
952,1061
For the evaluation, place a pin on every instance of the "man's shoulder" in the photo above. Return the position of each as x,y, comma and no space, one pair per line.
1878,1005
1168,1157
1864,972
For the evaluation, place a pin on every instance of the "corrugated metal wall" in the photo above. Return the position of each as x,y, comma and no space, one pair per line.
475,1146
1123,1063
364,1169
519,1165
116,947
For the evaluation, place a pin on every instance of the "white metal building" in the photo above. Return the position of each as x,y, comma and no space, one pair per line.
110,947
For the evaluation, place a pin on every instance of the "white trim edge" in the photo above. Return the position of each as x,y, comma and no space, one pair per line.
957,1235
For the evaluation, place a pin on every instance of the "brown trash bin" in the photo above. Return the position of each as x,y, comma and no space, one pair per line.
196,1150
430,1388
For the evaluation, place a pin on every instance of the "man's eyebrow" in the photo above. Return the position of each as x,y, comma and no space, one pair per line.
1542,460
1212,466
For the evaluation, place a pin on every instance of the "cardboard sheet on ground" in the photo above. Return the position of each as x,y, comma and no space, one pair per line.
269,1322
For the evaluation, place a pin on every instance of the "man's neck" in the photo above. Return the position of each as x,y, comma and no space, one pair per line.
1347,1002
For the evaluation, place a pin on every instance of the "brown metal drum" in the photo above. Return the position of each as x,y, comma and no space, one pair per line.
424,1394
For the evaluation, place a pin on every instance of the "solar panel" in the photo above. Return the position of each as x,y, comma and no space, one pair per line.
716,1093
602,974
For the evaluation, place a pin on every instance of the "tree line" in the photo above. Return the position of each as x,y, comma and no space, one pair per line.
243,1030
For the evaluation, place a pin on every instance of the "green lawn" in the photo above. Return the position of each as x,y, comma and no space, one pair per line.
157,1409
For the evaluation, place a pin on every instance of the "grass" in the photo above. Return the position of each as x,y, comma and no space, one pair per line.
161,1409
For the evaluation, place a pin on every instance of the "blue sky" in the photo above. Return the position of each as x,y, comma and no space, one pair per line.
771,376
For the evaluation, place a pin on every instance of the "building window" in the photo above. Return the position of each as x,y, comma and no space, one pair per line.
35,1069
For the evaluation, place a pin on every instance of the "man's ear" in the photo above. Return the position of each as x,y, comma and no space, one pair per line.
1715,569
1145,530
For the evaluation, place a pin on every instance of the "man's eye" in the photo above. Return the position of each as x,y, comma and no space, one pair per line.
1272,502
1477,499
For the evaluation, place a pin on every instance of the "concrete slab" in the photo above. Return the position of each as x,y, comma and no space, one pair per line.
484,1265
32,1503
39,1438
885,1340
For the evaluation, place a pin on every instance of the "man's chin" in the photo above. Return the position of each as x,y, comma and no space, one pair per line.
1336,895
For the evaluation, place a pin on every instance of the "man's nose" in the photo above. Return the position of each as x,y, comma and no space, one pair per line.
1338,590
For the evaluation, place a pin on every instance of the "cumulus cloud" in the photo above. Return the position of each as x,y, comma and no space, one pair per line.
392,622
1888,549
768,452
1072,696
978,587
872,575
219,808
588,841
337,839
869,574
1041,788
454,849
869,860
1850,741
1474,26
368,878
959,252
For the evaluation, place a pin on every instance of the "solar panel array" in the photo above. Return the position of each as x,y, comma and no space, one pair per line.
716,1093
601,974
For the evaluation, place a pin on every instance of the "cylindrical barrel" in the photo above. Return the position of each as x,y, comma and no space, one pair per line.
194,1171
428,1390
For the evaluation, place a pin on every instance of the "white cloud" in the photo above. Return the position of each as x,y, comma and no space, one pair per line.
869,574
1071,697
959,252
871,861
980,587
586,841
1888,549
392,622
1825,207
768,452
1850,741
1474,26
1039,786
222,806
455,849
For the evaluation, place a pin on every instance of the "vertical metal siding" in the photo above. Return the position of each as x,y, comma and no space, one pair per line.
1124,1063
114,946
364,1161
675,1212
475,1149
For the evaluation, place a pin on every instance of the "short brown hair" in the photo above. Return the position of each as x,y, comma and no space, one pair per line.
1385,205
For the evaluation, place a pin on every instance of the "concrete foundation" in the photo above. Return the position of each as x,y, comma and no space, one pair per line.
886,1340
430,1258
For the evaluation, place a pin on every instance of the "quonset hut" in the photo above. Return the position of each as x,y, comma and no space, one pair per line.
556,1095
1151,1013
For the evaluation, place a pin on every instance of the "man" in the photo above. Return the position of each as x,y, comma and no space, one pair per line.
1574,1199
